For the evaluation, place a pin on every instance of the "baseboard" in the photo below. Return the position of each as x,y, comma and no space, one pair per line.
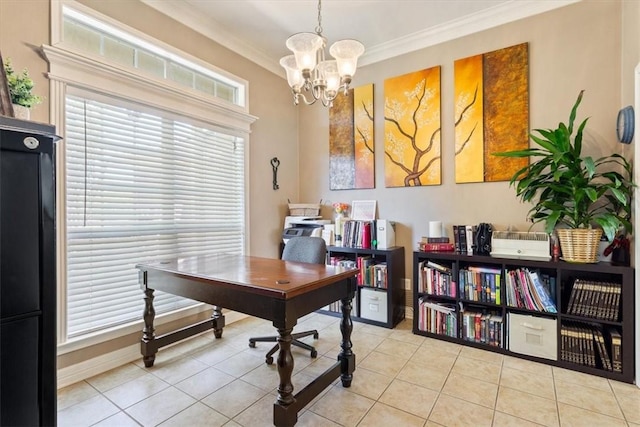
105,362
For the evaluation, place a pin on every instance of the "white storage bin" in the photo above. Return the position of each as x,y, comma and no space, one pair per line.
373,304
534,336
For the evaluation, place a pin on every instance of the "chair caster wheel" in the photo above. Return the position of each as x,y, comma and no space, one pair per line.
314,354
252,344
269,360
315,336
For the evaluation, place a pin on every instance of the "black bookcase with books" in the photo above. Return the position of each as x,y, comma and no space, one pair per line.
381,295
575,316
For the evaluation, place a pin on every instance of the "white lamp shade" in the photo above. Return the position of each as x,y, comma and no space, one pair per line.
329,73
346,53
304,46
294,77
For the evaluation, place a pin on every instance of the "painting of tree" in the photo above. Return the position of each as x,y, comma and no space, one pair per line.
491,113
412,129
351,149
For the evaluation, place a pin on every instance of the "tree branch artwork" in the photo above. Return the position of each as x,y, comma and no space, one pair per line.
351,141
413,129
463,110
491,113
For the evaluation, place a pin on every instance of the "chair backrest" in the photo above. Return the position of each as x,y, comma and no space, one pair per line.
305,249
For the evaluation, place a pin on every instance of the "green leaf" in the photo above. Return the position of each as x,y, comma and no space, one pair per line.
572,116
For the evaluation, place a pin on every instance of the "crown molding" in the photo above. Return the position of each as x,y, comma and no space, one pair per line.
489,18
470,24
176,9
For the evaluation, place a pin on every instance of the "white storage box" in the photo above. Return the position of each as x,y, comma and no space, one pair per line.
373,304
534,336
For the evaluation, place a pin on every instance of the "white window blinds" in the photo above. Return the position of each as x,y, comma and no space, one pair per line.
141,185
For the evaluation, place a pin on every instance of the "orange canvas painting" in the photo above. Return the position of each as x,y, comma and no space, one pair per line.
412,129
491,113
351,149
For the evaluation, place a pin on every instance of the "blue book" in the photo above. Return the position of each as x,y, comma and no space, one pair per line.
541,290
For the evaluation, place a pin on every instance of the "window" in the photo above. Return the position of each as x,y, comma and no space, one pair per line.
147,169
86,34
141,185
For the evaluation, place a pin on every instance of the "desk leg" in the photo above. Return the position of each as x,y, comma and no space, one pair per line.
346,356
285,368
218,321
148,346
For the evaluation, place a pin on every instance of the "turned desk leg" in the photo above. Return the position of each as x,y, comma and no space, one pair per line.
148,346
218,321
346,356
285,367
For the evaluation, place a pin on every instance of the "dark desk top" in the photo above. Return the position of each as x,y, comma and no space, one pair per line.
264,276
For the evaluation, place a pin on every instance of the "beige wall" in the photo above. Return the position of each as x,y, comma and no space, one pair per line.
572,48
21,46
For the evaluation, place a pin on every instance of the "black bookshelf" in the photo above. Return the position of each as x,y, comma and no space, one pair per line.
567,323
392,298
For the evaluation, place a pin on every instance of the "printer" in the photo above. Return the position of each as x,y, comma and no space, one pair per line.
303,226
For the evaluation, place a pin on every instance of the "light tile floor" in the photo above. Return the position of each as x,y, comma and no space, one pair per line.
401,380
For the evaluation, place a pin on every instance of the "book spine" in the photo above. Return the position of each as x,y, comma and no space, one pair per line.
437,247
462,237
469,229
456,238
437,240
366,235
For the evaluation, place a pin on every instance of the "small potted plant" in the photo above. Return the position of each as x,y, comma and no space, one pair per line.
20,87
570,193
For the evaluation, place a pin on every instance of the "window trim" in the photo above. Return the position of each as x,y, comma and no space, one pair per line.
57,39
69,68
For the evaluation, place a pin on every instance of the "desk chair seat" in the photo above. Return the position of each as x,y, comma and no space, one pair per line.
301,249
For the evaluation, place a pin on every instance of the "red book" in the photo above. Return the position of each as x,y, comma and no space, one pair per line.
437,247
366,235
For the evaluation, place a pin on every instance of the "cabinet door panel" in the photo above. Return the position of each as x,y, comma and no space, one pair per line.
20,232
19,383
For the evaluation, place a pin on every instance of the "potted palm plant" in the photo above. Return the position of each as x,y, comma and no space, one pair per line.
576,196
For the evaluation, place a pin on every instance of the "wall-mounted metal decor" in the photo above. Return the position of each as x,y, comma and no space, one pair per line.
351,149
412,129
491,113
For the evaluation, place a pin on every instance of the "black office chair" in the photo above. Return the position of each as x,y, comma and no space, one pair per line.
301,249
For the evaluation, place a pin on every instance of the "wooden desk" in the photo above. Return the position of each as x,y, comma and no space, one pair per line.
272,289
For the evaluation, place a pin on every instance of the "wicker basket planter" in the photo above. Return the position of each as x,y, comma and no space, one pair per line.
579,244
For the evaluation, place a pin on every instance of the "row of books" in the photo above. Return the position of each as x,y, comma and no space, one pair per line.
485,328
600,300
480,284
371,272
526,289
359,234
588,345
435,279
437,318
463,238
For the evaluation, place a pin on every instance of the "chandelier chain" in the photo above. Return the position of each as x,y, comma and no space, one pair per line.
319,27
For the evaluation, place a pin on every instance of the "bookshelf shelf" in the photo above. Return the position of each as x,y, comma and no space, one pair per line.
586,324
381,305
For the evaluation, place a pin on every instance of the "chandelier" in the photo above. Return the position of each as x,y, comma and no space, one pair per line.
308,71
